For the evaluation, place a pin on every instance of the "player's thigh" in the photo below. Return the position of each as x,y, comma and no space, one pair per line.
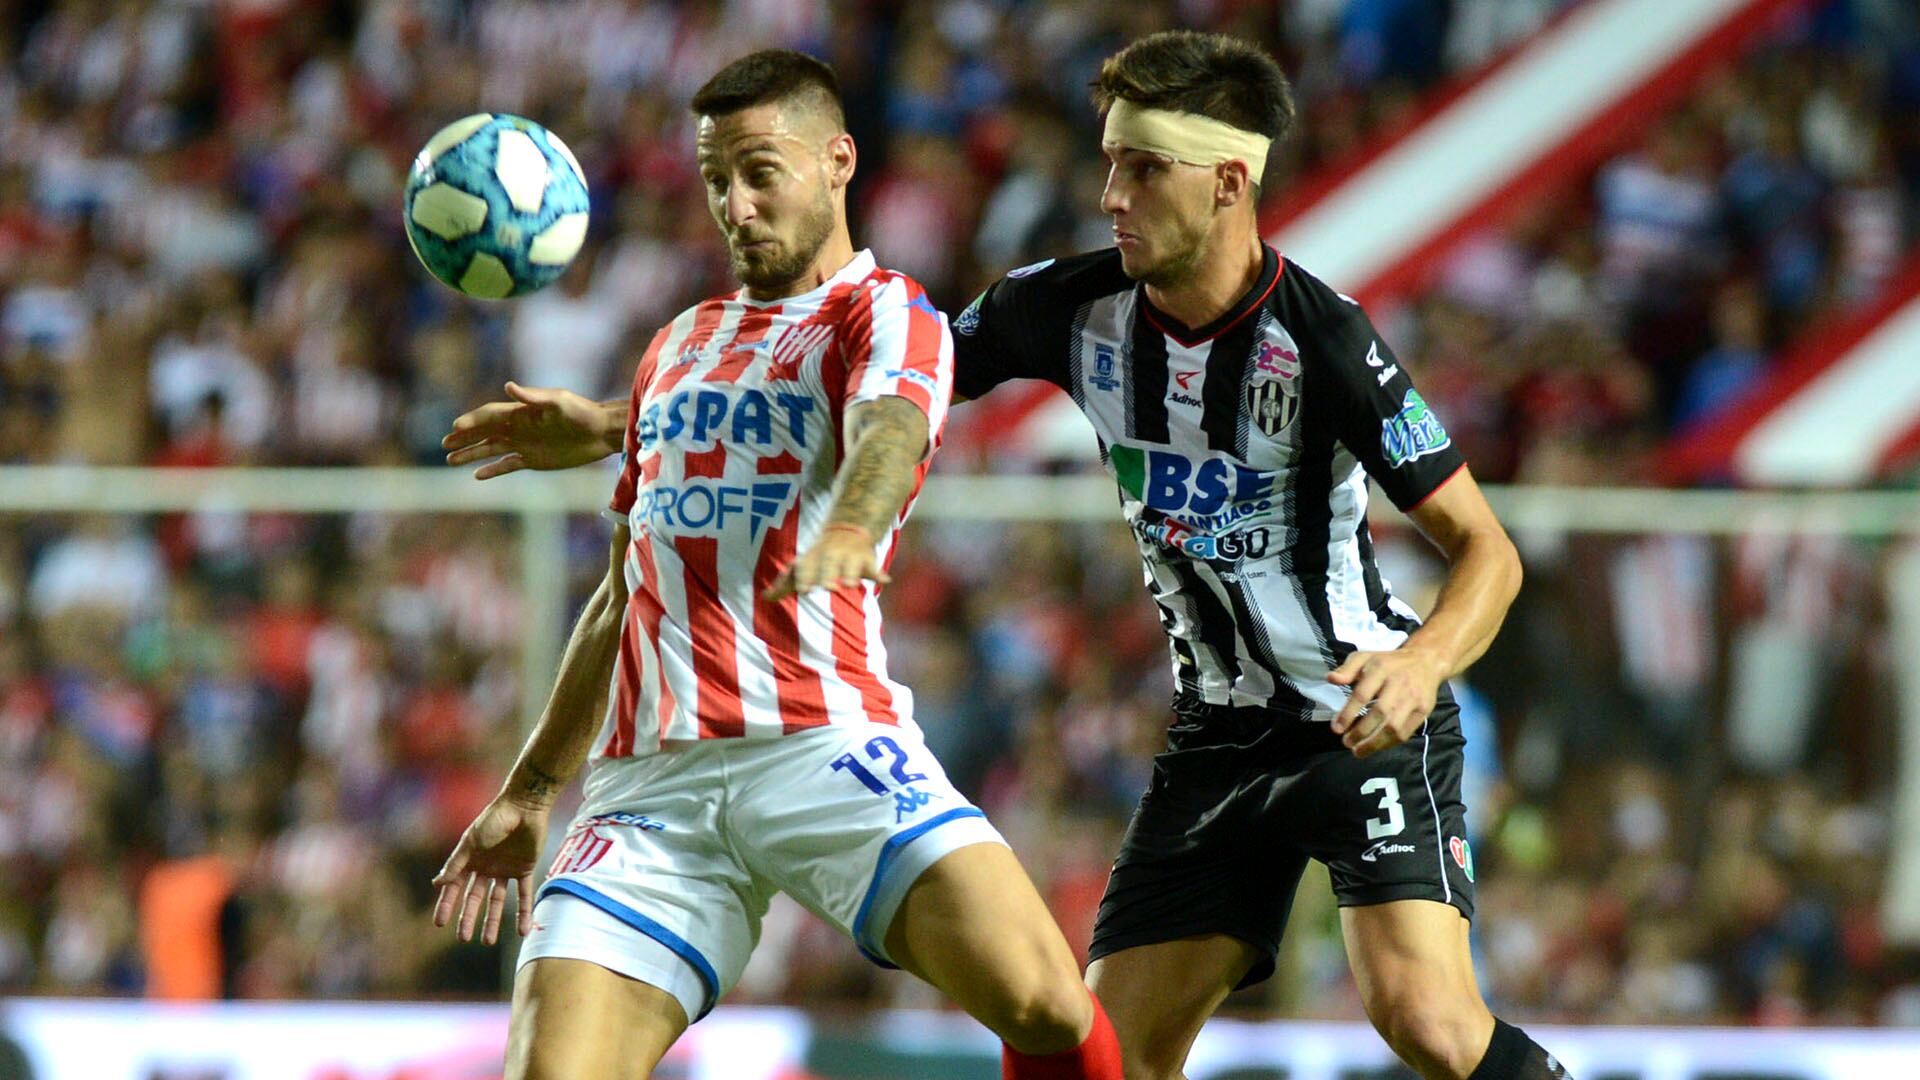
1159,995
1411,949
846,819
647,884
974,926
573,1018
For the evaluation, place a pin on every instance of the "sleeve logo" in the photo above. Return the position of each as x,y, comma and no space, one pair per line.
969,320
1031,268
1412,433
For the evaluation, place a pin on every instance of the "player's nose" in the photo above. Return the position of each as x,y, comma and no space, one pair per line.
1112,199
740,208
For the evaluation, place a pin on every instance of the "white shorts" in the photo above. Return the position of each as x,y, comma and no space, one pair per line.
670,863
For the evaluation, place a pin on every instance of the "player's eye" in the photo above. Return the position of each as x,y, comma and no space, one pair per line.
761,175
716,183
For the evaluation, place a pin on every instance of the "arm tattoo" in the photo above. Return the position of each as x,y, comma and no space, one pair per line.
887,438
538,783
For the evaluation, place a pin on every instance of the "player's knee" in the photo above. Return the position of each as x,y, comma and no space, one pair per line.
1043,1015
1432,1029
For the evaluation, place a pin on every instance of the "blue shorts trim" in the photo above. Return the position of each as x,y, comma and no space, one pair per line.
674,942
888,853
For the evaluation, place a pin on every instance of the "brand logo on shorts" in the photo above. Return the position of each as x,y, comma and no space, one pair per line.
583,848
1462,854
1385,847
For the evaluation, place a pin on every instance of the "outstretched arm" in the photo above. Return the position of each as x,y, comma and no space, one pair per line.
886,441
536,428
503,843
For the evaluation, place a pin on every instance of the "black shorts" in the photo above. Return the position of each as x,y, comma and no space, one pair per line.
1240,800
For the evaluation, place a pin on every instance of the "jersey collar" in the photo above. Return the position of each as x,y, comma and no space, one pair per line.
1262,288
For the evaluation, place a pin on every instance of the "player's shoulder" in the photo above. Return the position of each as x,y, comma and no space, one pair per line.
1300,293
883,288
1073,279
1310,308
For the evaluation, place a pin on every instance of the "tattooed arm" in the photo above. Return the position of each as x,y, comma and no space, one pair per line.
503,843
886,441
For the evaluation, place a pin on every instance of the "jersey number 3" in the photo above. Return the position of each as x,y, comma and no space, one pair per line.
1396,821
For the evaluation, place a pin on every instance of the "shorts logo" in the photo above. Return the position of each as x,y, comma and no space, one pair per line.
908,801
1273,404
1462,854
582,849
1412,433
1386,847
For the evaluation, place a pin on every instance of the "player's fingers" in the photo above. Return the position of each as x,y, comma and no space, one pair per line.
443,908
1349,668
475,451
1364,734
1364,691
512,463
475,423
496,909
470,910
525,889
529,395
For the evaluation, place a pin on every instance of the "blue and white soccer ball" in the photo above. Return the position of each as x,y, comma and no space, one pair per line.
496,206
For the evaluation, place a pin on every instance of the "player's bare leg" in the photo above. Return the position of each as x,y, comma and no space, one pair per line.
1415,974
975,928
1160,995
572,1019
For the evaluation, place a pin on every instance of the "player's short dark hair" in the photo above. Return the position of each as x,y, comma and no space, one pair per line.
771,75
1218,76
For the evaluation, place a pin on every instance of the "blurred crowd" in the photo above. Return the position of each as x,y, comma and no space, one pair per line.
234,747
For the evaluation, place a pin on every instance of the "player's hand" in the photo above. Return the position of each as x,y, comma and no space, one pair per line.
539,428
842,556
1392,694
500,846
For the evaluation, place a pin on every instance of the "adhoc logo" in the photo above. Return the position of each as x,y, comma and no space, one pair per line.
705,508
1462,854
1103,377
1211,497
1232,547
703,416
1386,847
1413,432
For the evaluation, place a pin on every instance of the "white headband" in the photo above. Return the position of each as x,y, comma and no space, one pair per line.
1188,137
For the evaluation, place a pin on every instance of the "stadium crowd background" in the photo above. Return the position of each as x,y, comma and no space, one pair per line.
234,747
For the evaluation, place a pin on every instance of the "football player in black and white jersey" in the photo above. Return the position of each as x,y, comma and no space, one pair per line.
1243,408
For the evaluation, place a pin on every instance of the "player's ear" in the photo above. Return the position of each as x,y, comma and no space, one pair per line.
1232,184
842,157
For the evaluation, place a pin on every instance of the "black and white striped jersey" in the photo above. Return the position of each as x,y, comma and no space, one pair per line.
1242,450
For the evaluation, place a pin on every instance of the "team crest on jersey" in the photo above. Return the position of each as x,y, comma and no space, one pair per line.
1273,403
1103,377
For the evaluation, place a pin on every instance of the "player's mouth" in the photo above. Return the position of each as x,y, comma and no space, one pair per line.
1125,241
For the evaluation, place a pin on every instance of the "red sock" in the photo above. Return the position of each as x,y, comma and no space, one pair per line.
1098,1058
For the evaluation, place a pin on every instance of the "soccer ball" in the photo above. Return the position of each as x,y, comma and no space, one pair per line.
496,206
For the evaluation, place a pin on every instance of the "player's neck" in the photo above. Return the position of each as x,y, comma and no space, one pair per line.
1216,285
834,256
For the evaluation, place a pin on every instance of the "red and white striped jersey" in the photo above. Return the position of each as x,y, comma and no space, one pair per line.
733,440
